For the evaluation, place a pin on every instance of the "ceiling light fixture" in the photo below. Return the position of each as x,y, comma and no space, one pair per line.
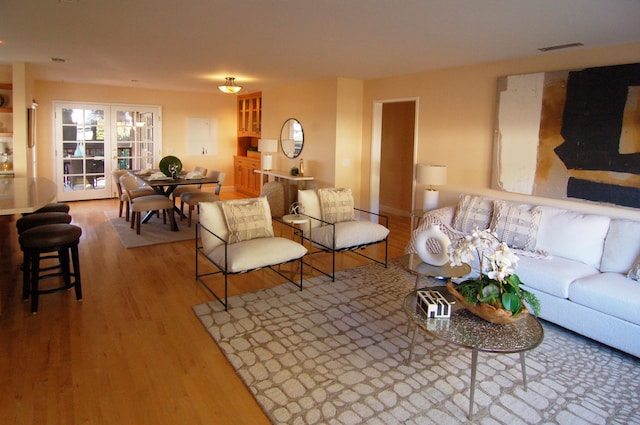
230,86
560,46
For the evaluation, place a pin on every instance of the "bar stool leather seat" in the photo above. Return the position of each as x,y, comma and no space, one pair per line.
33,220
60,237
53,207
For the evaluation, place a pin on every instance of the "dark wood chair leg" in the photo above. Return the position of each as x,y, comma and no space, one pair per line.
76,271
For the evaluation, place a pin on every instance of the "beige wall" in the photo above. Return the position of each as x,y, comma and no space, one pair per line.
457,108
314,105
177,107
330,112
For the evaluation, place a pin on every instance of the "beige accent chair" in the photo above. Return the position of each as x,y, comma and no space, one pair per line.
140,204
236,236
123,197
193,198
337,226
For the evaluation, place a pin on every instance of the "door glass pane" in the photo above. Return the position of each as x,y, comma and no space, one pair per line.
83,149
135,133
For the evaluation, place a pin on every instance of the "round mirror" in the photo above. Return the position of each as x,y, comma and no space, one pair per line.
291,138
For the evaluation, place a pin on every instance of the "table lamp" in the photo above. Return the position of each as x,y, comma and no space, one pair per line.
431,175
267,147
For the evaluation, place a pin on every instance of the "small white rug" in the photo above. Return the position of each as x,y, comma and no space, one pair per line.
334,353
152,233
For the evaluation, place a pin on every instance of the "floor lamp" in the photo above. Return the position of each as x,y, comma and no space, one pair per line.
267,147
431,175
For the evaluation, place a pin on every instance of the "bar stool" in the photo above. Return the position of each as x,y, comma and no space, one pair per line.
53,207
47,238
34,220
38,219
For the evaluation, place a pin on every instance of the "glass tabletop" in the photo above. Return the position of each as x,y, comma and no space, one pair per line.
467,330
413,263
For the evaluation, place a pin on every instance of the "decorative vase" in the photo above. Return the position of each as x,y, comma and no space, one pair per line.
433,245
486,311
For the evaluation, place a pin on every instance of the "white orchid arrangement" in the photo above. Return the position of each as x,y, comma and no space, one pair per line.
498,284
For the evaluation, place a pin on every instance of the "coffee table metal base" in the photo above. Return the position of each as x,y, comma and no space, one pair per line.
469,331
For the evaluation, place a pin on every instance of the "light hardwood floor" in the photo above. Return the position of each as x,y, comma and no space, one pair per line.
132,352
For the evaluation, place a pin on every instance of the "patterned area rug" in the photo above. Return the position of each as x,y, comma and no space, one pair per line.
152,233
335,353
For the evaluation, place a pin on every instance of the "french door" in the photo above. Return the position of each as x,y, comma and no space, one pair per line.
94,139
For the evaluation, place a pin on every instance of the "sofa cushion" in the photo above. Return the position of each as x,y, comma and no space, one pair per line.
256,253
609,293
350,234
516,224
336,205
247,219
473,212
573,235
553,276
311,204
212,217
621,246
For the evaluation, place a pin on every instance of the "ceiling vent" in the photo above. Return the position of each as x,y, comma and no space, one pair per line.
59,60
560,47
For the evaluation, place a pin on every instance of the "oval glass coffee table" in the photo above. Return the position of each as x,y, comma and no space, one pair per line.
469,331
414,264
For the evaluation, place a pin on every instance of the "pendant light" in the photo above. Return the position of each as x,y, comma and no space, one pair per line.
230,86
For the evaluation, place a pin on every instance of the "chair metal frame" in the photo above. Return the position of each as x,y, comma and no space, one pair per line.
224,270
354,249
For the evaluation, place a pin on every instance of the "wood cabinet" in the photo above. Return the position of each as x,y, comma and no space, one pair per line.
246,181
6,129
250,115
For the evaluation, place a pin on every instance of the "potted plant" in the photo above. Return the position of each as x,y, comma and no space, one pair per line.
496,295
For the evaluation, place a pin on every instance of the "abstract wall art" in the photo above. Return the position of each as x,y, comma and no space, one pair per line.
570,135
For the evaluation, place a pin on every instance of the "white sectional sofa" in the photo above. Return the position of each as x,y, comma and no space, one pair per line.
582,267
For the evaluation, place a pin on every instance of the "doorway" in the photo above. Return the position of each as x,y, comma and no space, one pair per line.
93,139
393,156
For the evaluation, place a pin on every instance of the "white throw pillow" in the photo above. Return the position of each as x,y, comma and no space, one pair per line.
621,247
516,224
473,212
336,205
573,235
247,219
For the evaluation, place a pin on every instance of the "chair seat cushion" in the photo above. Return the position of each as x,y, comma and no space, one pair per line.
350,234
151,202
256,253
198,196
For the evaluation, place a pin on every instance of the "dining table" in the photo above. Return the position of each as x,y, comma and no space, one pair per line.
166,185
19,195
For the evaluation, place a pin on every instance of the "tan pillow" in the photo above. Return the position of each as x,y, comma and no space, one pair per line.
247,219
634,273
516,225
473,212
336,205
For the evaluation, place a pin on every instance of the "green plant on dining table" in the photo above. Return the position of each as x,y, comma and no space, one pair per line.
498,284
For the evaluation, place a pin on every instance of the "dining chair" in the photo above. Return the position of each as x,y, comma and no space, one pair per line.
188,187
193,199
140,204
123,196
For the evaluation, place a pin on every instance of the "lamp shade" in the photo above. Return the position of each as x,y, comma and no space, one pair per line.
267,145
432,175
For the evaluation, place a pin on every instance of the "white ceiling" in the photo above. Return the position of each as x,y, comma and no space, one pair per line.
194,44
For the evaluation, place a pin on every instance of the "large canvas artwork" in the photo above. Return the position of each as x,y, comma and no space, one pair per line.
570,135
